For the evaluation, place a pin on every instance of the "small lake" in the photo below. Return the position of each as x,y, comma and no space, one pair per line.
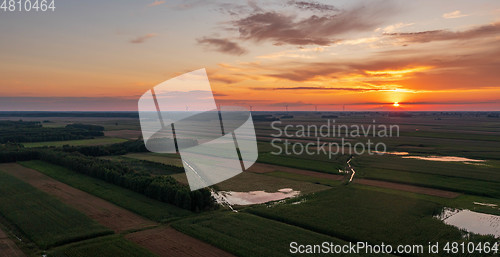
254,197
443,158
474,222
407,155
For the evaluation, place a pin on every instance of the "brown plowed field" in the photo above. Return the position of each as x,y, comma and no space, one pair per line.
105,213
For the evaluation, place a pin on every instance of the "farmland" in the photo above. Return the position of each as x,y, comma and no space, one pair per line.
370,216
127,199
106,214
391,199
249,235
105,246
166,241
94,141
53,224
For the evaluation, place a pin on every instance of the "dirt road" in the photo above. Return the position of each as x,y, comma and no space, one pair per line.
8,248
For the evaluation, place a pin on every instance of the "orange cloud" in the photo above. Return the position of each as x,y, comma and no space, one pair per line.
156,3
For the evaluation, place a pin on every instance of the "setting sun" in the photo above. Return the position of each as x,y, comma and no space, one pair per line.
396,104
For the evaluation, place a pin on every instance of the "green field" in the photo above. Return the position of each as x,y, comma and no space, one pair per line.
247,235
249,181
94,141
300,177
482,180
356,214
301,163
135,202
43,219
109,246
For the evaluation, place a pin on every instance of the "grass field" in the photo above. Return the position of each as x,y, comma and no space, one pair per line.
301,163
247,235
249,181
300,177
483,180
356,214
485,171
94,141
461,202
109,246
140,204
43,219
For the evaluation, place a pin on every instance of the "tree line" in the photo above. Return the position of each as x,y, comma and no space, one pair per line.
33,131
162,188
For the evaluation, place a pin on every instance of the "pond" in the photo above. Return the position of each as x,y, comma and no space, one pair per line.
253,197
443,158
474,222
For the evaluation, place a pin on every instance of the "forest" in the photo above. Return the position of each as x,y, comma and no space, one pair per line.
33,131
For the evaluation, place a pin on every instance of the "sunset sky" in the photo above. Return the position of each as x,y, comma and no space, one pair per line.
103,55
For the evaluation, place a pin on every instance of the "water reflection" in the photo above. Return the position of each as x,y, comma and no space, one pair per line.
443,158
474,222
253,197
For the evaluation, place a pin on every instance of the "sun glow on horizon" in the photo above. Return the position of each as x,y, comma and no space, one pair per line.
396,104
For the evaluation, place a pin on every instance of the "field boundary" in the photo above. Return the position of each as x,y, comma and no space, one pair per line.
104,212
9,247
264,168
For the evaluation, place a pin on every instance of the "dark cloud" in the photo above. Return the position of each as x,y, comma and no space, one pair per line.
313,6
311,70
470,66
439,35
142,39
222,45
233,9
325,29
253,4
